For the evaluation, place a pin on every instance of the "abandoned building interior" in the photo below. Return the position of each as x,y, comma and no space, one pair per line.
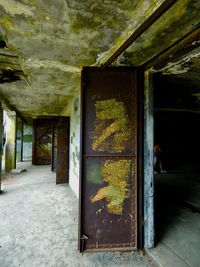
88,88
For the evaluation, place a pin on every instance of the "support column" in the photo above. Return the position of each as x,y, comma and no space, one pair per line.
10,153
148,162
19,140
22,142
1,134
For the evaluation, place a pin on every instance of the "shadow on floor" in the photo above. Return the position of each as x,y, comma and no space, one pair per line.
177,204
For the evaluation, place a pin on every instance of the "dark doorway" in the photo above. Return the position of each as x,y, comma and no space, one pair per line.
110,159
177,192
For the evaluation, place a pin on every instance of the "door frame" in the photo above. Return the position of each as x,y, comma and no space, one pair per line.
66,120
148,198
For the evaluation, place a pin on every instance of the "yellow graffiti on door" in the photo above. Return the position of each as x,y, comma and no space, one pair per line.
116,174
112,127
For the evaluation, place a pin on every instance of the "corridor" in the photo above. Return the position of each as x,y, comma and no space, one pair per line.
39,225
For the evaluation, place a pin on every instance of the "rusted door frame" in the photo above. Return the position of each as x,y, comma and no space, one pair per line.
139,164
52,146
62,177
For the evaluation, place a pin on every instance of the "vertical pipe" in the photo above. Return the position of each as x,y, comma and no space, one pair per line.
149,232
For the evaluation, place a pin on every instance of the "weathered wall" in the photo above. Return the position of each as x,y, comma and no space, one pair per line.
19,140
10,151
1,132
27,142
74,145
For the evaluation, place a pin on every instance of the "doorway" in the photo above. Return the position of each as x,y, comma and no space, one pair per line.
177,192
51,145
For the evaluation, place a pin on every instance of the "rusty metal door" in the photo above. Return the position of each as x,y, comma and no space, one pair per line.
42,142
62,168
54,147
109,159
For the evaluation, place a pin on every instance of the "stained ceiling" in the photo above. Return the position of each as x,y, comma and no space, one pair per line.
45,43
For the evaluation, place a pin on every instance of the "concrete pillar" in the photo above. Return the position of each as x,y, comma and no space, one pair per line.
27,141
22,142
10,152
149,238
1,133
19,140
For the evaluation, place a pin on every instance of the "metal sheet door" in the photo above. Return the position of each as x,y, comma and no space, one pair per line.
62,168
54,147
108,188
42,142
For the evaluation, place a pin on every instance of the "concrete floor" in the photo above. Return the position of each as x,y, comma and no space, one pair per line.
177,203
38,225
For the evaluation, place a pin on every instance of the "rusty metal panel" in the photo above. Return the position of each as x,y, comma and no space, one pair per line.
62,170
42,142
108,188
54,147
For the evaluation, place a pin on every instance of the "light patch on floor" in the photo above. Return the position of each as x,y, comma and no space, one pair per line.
39,225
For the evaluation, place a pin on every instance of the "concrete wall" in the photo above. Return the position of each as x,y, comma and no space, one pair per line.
27,141
148,162
74,145
10,149
19,140
1,132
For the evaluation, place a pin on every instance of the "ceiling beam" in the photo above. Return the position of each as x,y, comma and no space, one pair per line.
177,46
140,30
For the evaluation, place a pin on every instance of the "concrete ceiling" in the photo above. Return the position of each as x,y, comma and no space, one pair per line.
45,43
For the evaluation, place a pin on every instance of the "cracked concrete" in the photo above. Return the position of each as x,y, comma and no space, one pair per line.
39,225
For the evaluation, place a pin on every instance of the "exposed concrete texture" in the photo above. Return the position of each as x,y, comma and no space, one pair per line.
19,140
148,162
44,44
39,226
74,145
173,25
10,151
27,141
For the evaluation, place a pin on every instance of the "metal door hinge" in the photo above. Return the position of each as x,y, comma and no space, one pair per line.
83,238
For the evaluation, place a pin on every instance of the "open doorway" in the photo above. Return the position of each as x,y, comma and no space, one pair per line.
51,145
177,191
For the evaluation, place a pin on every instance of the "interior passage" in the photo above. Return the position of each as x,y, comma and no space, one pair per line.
39,225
